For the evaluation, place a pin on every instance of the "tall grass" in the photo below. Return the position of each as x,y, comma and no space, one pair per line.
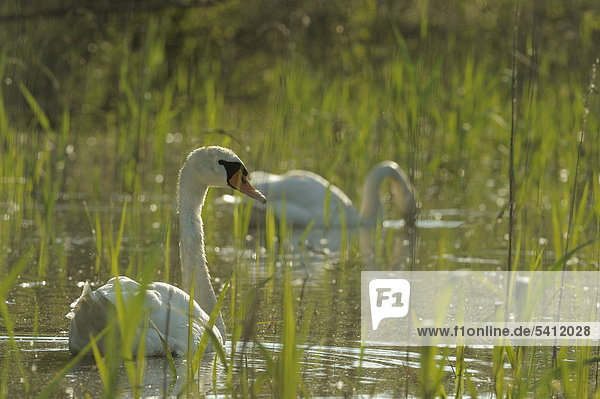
446,120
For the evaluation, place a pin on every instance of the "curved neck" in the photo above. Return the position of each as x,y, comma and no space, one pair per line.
371,209
194,268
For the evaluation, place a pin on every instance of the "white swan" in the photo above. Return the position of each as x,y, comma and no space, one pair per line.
304,192
167,305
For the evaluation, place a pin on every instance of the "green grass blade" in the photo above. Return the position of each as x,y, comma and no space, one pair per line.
208,333
100,364
288,362
97,232
52,385
563,260
35,108
5,286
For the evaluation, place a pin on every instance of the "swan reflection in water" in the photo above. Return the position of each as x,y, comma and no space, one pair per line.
84,379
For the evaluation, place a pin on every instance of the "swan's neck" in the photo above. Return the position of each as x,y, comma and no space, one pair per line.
191,197
371,209
370,204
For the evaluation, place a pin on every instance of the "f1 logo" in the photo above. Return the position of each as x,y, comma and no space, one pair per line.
389,298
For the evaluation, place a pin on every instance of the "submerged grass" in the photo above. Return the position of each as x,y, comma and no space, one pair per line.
444,120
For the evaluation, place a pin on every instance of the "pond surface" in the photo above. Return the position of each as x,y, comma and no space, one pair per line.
327,371
325,269
331,362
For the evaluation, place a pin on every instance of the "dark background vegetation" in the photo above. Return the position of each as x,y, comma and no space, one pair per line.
70,52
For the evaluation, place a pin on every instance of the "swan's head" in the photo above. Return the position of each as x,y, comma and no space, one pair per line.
219,167
404,194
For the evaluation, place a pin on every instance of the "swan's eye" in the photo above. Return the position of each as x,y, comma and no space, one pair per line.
232,168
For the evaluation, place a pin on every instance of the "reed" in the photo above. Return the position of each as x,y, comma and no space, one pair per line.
5,286
446,118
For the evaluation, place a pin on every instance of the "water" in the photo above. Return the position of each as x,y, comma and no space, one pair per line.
325,276
331,364
331,371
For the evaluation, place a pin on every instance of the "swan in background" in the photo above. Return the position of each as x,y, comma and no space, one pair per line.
167,305
303,195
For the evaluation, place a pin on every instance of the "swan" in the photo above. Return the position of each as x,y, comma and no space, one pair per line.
303,194
168,306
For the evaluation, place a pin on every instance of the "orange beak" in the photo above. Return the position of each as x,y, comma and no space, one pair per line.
241,183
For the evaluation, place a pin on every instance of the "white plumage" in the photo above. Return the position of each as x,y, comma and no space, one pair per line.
302,194
168,308
166,305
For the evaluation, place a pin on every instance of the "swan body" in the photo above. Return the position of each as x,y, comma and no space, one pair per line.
168,306
302,194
